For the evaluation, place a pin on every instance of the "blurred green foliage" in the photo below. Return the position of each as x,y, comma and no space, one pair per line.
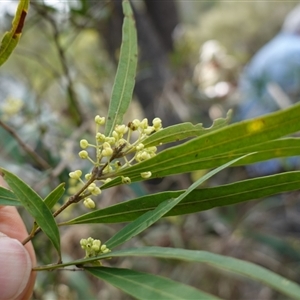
45,122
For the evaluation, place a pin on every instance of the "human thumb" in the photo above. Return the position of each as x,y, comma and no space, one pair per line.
15,268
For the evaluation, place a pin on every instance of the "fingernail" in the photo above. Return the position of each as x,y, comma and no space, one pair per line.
15,268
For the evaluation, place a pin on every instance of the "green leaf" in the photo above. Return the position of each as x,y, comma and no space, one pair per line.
11,38
183,131
237,266
35,206
218,147
125,77
150,217
147,286
8,198
274,149
197,200
55,195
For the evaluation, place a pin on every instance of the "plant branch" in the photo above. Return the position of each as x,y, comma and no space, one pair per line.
38,159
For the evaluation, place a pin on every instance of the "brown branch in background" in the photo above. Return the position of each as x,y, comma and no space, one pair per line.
73,101
74,109
38,159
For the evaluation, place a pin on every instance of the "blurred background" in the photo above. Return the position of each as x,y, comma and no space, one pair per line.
196,61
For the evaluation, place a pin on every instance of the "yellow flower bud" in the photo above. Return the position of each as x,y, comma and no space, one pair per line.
100,137
107,152
89,203
149,130
121,129
83,243
140,146
106,145
83,154
99,120
88,176
146,174
145,155
107,180
76,174
84,144
91,187
96,191
157,124
107,169
144,123
96,245
126,180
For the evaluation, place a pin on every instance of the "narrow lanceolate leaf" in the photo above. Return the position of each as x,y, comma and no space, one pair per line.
274,149
197,200
125,77
35,206
183,131
149,218
237,266
11,38
147,286
8,198
54,196
216,148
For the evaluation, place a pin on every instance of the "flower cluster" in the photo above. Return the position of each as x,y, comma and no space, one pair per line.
11,106
114,153
93,247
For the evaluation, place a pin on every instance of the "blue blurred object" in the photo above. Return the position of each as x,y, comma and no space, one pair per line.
277,64
271,81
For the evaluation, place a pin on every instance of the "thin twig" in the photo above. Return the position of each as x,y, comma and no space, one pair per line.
38,159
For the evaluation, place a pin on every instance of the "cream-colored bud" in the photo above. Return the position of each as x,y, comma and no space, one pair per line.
84,144
126,180
96,245
157,124
106,145
146,174
121,129
110,140
96,191
88,176
90,240
144,123
107,169
99,120
133,126
83,243
72,175
115,135
78,173
107,152
89,203
91,187
149,130
107,180
140,146
136,122
152,149
145,155
100,137
83,154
